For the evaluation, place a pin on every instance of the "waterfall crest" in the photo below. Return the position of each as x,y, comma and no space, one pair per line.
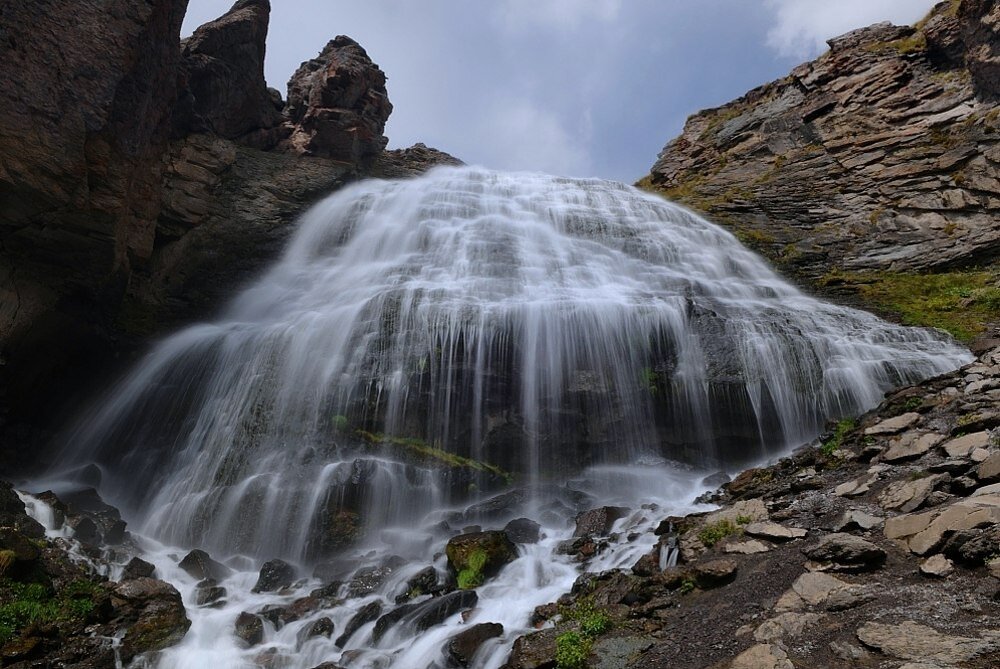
415,330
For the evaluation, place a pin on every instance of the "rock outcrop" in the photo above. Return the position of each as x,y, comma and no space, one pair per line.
140,182
835,577
880,157
338,105
224,69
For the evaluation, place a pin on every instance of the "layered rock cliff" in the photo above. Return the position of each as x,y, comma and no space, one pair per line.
877,160
142,178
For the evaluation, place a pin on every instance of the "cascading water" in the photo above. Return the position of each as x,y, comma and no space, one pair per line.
421,338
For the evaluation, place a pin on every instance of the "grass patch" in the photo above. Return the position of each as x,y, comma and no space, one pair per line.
26,604
572,650
424,451
715,532
836,441
961,302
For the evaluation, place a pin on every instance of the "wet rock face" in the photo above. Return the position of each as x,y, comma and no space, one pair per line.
87,88
880,155
224,66
338,105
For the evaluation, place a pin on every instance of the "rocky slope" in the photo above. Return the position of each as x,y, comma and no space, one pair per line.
143,179
877,160
878,548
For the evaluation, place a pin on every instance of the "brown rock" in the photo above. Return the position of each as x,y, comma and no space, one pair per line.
224,64
338,105
153,614
463,646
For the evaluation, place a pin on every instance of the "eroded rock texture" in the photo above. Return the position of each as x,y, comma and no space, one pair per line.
881,154
338,105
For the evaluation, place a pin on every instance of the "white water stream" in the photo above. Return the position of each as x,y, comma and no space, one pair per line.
556,328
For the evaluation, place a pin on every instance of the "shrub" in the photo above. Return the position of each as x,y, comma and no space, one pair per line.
572,650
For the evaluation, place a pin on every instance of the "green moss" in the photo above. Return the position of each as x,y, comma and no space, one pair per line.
915,43
754,237
572,650
687,585
472,575
961,302
715,532
423,451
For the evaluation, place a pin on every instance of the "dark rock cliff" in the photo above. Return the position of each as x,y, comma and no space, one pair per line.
141,179
877,160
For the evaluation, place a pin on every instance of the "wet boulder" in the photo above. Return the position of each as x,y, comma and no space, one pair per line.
365,615
12,513
274,575
209,592
198,564
249,629
424,582
138,568
369,579
424,615
523,531
153,614
477,556
463,646
598,522
320,628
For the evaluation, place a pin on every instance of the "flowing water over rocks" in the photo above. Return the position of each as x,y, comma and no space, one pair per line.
422,345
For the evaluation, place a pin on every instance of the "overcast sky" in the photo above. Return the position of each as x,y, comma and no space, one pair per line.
574,87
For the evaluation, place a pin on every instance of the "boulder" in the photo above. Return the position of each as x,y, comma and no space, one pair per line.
961,447
152,613
911,445
762,656
274,575
200,565
714,573
224,65
913,641
249,629
893,425
322,627
366,614
523,531
773,531
138,568
534,651
937,566
463,646
598,522
479,555
424,615
845,552
209,592
337,105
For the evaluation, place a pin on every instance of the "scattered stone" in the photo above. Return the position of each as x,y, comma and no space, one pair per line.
937,566
815,588
961,447
979,455
714,573
893,425
746,547
774,531
911,445
249,629
855,487
846,552
857,520
762,656
962,515
989,469
912,641
463,646
784,625
848,652
906,495
154,613
753,510
274,575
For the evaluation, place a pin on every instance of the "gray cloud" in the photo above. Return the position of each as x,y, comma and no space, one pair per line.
579,87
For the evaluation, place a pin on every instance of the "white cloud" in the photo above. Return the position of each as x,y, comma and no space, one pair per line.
558,15
523,136
803,26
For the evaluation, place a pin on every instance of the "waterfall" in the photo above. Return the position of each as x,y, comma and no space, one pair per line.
424,341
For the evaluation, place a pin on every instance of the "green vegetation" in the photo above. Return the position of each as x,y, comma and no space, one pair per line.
960,302
650,380
715,532
915,43
472,576
834,443
424,451
340,423
572,650
25,604
687,585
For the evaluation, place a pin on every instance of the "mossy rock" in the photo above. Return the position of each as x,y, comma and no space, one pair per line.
477,556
